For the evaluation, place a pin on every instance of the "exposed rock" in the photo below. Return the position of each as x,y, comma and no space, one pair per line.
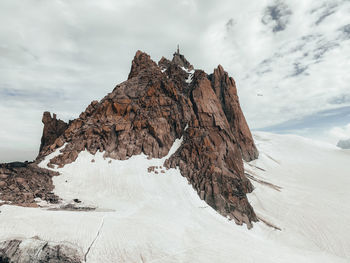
181,61
53,129
21,184
210,158
151,169
164,63
225,89
141,62
157,105
3,176
35,250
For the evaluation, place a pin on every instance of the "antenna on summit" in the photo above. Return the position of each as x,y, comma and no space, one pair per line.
178,49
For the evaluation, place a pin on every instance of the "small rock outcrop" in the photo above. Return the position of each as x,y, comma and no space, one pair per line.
35,250
181,61
158,104
53,128
21,183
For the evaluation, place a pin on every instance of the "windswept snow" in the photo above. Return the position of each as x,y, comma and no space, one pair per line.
187,70
189,79
149,217
313,206
190,76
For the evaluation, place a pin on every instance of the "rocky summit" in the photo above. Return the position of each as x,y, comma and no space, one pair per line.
157,104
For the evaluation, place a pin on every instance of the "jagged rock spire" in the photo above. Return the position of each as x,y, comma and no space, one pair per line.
225,89
141,61
180,60
156,106
53,128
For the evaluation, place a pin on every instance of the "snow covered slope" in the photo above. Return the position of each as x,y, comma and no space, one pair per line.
301,187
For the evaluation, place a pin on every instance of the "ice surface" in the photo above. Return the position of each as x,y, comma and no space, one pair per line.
160,218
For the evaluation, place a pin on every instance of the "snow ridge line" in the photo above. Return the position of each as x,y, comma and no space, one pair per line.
93,241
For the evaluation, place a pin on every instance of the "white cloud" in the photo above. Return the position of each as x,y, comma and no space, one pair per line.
300,70
340,133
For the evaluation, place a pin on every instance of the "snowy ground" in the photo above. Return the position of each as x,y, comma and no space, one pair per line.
149,217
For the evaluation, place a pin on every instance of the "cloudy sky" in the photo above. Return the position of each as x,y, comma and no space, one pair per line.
290,59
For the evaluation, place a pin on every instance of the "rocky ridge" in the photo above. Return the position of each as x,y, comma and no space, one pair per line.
21,183
35,250
159,103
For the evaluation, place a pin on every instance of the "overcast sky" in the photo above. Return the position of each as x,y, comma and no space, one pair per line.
290,59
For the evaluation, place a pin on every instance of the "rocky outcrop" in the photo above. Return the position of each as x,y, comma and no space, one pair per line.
210,158
141,62
181,61
225,90
155,106
53,129
21,183
35,250
144,114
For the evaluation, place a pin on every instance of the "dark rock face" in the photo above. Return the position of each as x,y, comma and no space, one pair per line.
155,106
21,183
141,62
225,89
181,61
53,129
35,251
210,158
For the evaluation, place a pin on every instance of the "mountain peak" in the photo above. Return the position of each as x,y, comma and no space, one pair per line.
157,106
142,61
181,61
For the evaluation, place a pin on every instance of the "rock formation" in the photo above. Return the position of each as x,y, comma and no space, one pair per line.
21,183
181,61
156,105
35,250
53,129
225,90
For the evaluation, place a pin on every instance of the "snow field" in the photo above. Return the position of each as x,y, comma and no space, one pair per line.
149,217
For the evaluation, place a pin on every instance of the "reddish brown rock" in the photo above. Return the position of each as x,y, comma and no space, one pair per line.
17,250
3,176
146,113
181,61
210,158
164,63
23,182
141,62
225,89
53,129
